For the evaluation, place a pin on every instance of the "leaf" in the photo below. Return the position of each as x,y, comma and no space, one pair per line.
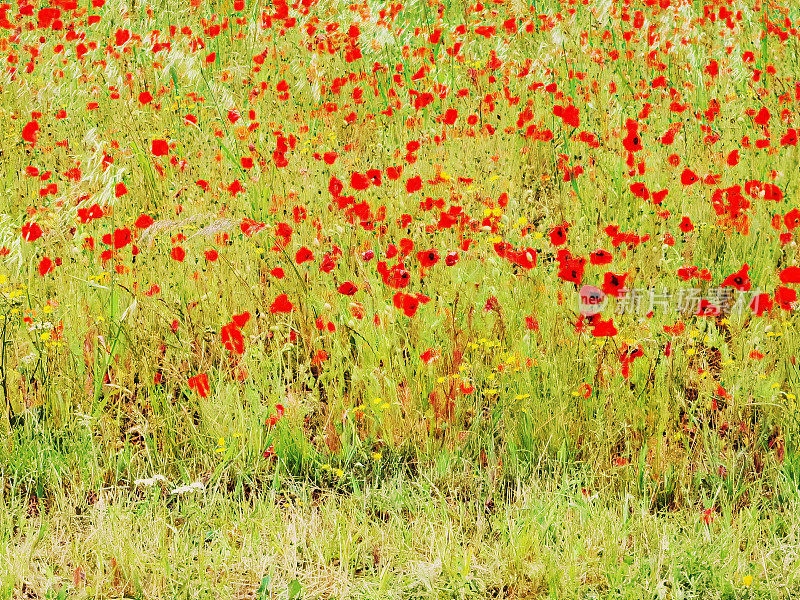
174,75
232,158
144,165
294,590
263,589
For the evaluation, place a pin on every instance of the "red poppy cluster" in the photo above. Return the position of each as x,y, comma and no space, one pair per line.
342,180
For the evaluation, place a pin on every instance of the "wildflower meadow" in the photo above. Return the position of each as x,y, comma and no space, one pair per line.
399,299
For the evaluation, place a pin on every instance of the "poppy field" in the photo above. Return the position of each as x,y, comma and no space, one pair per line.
421,299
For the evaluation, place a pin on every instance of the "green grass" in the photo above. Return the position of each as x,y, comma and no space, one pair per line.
374,529
453,530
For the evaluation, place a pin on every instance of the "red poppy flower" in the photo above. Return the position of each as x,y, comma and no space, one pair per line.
408,303
235,187
249,227
466,388
393,173
429,356
159,147
570,268
772,192
755,355
31,232
790,275
143,221
492,304
178,253
284,231
762,117
281,304
277,273
303,255
601,257
320,356
791,219
414,184
199,383
122,237
374,176
558,235
739,280
359,181
241,319
397,277
145,97
689,177
46,265
428,258
356,309
707,309
232,338
614,284
790,138
120,190
30,132
348,288
121,36
785,297
686,225
569,114
211,255
676,329
760,304
531,323
604,328
627,355
406,246
640,190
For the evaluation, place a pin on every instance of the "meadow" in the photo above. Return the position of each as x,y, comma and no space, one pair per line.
422,299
